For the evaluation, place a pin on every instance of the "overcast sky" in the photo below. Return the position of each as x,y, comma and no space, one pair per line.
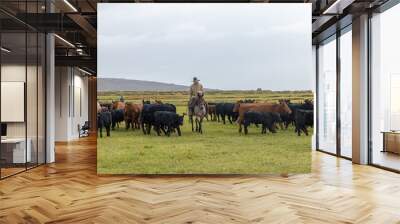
227,46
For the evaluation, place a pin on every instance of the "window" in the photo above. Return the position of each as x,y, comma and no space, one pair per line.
327,96
385,89
22,88
346,93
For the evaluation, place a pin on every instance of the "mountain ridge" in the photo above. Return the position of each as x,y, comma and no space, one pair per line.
121,84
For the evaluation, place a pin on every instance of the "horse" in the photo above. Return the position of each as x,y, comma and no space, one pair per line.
197,108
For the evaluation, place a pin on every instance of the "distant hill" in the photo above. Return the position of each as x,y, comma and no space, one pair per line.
111,84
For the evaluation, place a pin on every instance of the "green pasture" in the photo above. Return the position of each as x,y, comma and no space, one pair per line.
219,150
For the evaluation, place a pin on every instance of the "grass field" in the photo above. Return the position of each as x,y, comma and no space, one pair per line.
219,150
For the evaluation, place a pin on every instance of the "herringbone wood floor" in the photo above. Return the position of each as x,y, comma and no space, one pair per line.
69,191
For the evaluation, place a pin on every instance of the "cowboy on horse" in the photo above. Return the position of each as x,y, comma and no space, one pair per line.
197,106
195,88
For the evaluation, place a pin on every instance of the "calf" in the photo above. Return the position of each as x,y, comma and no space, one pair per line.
219,107
117,116
147,115
211,110
104,120
225,110
242,108
303,118
132,113
290,118
266,119
168,122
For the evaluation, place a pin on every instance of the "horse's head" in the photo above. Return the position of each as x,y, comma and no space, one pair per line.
200,94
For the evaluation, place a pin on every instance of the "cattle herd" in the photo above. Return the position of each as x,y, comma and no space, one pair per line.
163,118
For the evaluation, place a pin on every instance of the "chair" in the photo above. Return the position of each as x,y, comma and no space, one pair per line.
84,130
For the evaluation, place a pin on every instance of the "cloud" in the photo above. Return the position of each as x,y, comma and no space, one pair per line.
230,46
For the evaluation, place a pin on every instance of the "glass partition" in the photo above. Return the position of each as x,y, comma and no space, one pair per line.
346,93
31,97
41,96
327,96
385,89
14,153
22,77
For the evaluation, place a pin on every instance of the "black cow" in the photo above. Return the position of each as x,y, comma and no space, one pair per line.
117,117
226,110
290,118
168,122
104,120
266,119
303,118
147,114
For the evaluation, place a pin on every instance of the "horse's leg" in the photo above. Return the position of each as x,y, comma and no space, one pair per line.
201,124
191,121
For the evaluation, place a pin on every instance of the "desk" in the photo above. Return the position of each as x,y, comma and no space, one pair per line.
391,141
13,150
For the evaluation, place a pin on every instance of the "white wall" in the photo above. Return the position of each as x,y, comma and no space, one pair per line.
71,94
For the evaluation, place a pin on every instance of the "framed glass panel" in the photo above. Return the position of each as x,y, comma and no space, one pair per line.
327,96
41,98
22,88
385,89
15,151
32,97
346,93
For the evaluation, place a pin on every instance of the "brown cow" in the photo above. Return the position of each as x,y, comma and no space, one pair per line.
118,105
132,113
242,108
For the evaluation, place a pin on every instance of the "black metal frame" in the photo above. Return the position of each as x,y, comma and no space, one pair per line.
44,80
339,32
389,4
338,82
